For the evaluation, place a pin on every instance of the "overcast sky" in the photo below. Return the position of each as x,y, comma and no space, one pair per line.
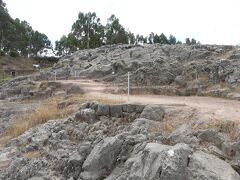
209,21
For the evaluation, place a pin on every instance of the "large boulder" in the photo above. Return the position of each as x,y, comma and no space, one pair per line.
133,108
102,159
87,115
206,166
153,112
157,161
211,136
142,126
183,134
74,89
103,110
116,111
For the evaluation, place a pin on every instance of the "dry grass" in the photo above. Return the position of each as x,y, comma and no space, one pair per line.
228,127
104,100
165,127
32,155
45,112
4,77
48,111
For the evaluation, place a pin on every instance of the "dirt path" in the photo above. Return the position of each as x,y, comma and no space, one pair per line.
209,107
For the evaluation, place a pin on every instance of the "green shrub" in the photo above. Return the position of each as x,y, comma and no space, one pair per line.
13,54
2,53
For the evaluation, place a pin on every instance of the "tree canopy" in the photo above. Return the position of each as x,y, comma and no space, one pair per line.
18,36
115,32
88,32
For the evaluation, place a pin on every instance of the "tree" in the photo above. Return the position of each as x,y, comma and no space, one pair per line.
141,39
131,38
193,41
4,19
39,41
179,42
151,38
163,39
88,30
172,39
188,42
18,36
66,45
115,32
156,39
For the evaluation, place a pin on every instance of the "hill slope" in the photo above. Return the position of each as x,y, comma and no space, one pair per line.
161,69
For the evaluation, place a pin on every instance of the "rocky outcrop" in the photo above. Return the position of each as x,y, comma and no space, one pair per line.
157,161
153,112
97,144
205,166
102,159
27,89
208,70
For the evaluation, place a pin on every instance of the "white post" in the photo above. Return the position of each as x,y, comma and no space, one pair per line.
128,86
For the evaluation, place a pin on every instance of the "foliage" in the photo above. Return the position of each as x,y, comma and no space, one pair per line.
88,32
151,38
179,42
13,54
131,38
163,39
172,39
188,42
115,32
191,42
2,53
17,35
141,39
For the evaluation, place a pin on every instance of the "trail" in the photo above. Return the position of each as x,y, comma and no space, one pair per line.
209,107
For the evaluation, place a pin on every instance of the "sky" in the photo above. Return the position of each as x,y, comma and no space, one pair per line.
208,21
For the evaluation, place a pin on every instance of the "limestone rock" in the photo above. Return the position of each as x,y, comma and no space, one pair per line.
101,159
74,89
87,115
205,166
183,134
211,136
116,111
153,112
158,161
103,110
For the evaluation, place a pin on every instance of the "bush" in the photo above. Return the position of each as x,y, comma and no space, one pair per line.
13,54
2,53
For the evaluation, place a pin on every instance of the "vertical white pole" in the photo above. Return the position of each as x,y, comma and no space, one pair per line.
128,86
55,76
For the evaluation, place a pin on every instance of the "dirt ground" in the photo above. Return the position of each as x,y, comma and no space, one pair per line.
208,107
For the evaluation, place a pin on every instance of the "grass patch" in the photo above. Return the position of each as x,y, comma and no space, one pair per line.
228,127
4,77
32,155
48,111
165,127
104,100
43,113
